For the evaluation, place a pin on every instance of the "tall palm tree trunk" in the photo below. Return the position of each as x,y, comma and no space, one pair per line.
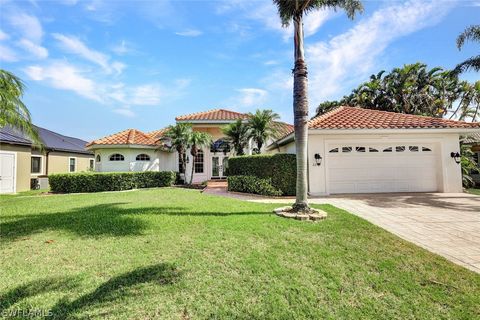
300,111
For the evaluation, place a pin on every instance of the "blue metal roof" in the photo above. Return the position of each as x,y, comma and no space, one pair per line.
52,141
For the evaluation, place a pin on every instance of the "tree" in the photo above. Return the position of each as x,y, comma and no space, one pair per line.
261,127
237,134
295,10
197,141
471,33
180,137
13,111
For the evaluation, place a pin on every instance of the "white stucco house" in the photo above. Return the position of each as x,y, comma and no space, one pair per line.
134,150
350,150
354,150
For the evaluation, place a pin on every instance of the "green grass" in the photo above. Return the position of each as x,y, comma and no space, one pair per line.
180,254
474,191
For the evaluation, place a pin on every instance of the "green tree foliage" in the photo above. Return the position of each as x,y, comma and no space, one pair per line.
414,89
237,134
13,111
471,33
261,127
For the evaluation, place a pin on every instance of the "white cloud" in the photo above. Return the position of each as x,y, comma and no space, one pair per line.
7,54
126,112
62,75
346,60
74,45
123,48
29,26
189,33
35,50
3,36
251,97
146,95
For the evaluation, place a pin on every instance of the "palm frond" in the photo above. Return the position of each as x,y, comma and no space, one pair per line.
471,33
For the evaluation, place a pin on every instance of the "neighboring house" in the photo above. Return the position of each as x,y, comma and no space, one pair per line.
20,162
474,141
133,150
354,150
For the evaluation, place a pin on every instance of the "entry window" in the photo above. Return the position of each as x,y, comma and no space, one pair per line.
72,164
99,159
92,164
36,165
143,157
198,162
117,157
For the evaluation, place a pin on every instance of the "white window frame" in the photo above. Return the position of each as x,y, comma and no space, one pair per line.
41,165
70,158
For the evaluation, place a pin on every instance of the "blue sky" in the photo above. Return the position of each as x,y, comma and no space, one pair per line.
93,68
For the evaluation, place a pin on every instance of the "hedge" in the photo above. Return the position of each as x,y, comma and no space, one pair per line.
280,168
251,184
114,181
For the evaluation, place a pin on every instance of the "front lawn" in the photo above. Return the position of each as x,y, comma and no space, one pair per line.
180,254
474,191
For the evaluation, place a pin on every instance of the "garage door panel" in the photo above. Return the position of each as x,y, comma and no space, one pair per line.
365,172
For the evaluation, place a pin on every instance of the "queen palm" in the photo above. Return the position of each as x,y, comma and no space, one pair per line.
179,136
13,111
261,125
295,10
197,141
237,134
471,33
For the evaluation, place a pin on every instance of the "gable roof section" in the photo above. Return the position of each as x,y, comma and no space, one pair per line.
472,139
213,115
282,128
52,141
358,118
157,134
129,136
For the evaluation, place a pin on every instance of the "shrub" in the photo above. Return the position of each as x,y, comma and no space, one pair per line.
251,184
113,181
280,168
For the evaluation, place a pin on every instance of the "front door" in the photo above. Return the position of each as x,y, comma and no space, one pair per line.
219,166
7,172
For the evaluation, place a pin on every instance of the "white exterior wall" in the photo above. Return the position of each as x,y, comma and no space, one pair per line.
449,178
159,160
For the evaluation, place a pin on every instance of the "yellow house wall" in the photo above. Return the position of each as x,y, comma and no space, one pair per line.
58,162
214,131
23,154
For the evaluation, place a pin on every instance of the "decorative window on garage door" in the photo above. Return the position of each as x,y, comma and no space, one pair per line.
400,148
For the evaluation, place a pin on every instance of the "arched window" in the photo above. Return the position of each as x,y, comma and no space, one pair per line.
99,159
117,157
143,157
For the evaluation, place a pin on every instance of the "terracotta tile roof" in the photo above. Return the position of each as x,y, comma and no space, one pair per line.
157,134
472,139
358,118
129,136
216,114
282,128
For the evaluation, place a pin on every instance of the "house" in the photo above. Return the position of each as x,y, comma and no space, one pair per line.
21,162
354,150
133,150
473,141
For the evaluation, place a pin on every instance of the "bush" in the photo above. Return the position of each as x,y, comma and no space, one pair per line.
114,181
280,168
251,184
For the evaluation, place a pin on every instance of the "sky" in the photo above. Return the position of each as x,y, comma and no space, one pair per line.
93,68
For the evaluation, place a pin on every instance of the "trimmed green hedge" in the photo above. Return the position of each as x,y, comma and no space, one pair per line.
280,168
112,181
251,184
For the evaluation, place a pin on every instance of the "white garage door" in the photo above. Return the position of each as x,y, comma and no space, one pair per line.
381,168
7,172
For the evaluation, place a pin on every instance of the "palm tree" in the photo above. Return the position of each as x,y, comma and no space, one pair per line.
13,111
198,140
471,33
295,10
180,136
237,134
261,124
